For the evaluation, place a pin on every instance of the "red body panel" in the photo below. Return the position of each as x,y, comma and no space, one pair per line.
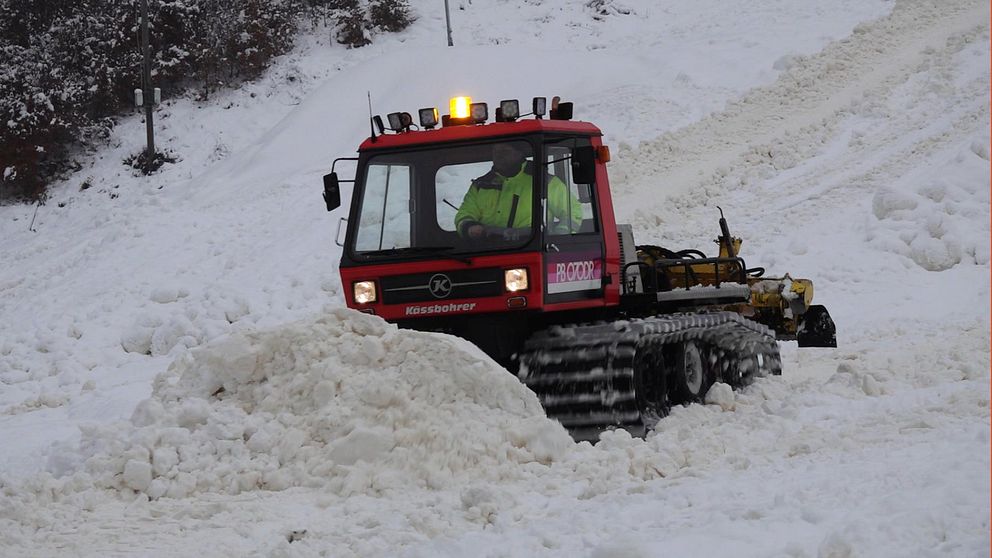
392,312
461,133
608,222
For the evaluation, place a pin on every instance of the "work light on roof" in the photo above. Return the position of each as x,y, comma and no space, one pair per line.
399,121
428,118
480,112
394,121
509,110
540,106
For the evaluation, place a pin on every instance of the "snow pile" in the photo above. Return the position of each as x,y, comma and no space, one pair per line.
344,402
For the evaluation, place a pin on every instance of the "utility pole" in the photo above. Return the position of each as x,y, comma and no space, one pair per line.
447,21
146,86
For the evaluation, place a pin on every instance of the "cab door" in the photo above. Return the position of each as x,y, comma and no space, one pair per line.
573,252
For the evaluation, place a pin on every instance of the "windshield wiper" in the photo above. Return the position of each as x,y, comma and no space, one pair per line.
420,250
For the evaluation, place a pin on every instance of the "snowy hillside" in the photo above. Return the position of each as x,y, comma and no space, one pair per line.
847,141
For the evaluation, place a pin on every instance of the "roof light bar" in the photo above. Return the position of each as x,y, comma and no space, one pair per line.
463,112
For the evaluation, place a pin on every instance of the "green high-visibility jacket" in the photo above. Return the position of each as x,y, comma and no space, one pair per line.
489,201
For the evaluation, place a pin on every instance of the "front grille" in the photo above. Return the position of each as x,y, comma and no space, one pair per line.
469,283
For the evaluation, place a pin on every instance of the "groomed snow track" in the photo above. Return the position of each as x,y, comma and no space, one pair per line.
778,125
625,374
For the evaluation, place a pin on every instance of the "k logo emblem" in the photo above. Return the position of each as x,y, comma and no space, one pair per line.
440,286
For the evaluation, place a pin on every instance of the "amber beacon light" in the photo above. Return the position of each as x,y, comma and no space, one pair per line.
460,107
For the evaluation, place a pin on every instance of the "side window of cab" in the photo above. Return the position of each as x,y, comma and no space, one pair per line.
570,208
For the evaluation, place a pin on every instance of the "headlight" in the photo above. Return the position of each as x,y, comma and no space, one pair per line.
364,292
515,280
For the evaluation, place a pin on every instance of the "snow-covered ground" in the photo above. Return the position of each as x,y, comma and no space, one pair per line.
848,142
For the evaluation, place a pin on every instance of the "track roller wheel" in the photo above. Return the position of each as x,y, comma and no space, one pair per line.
690,377
772,362
649,384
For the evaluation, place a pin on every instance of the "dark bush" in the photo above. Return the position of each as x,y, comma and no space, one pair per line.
352,28
390,15
358,19
139,161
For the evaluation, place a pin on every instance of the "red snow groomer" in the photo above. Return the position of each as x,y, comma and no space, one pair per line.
503,233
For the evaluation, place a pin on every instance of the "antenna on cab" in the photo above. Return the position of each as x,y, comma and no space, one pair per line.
371,124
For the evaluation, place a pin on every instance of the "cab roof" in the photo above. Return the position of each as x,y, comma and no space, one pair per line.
478,131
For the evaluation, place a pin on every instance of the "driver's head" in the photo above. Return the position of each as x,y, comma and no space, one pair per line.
508,158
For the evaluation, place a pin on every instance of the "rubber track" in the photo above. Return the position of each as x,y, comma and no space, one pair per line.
584,374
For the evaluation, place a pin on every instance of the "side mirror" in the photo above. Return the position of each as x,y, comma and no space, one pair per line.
584,165
332,191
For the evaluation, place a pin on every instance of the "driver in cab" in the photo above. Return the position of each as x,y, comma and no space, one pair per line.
499,203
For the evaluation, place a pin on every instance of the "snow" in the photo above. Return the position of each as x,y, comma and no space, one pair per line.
722,395
179,374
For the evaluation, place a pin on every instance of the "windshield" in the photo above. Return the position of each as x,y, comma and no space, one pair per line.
474,198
